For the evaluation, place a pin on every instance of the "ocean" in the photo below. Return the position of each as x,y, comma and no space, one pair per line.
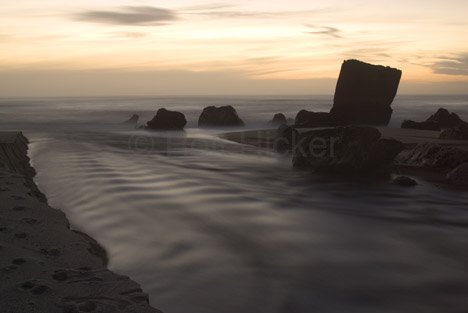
211,226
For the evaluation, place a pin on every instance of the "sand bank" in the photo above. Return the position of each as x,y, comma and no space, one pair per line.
45,266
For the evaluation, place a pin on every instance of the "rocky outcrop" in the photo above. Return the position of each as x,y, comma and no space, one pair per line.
459,132
459,175
308,119
133,120
279,119
432,156
44,265
440,120
346,150
445,119
167,120
219,116
364,93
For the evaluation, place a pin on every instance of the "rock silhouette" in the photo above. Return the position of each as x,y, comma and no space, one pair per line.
353,150
405,181
133,120
167,120
364,93
445,119
363,96
279,119
219,116
440,120
307,119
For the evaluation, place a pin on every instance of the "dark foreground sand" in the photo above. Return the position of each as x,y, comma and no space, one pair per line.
44,265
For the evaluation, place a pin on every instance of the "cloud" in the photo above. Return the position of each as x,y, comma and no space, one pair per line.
130,15
325,30
131,35
452,65
231,11
212,6
4,37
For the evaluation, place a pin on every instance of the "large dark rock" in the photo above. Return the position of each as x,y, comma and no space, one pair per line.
364,93
167,120
307,119
279,119
420,125
459,132
445,119
219,116
459,176
433,157
346,150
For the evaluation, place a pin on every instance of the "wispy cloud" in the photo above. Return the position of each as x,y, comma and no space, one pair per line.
231,11
130,15
457,65
4,37
131,35
211,6
324,30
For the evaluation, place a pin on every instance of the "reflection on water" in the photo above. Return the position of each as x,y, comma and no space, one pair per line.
211,226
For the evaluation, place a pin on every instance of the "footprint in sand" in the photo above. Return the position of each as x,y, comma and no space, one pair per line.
21,235
18,261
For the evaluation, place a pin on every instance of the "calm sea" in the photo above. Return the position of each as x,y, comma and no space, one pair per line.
209,226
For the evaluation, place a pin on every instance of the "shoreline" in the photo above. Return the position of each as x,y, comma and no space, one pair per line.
45,266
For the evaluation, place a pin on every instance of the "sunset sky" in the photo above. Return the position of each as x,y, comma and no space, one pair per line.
104,47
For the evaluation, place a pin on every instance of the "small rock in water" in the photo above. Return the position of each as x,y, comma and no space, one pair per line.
459,176
133,120
405,181
279,119
219,116
167,120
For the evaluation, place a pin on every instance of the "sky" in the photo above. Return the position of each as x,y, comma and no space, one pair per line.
197,47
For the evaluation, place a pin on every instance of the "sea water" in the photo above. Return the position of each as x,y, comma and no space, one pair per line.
210,226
